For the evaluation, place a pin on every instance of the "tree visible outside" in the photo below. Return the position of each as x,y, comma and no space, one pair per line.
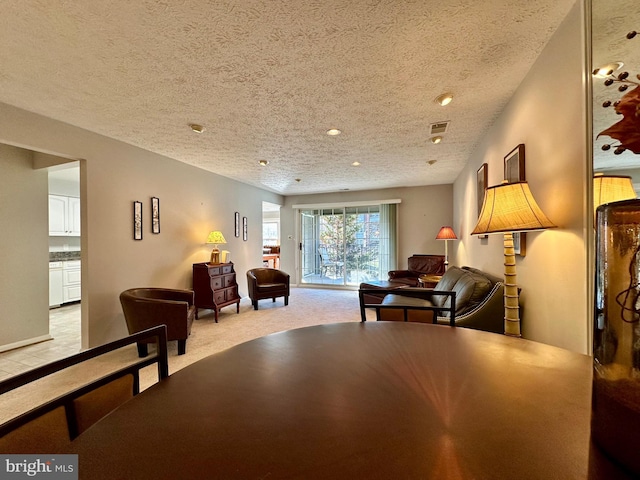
354,240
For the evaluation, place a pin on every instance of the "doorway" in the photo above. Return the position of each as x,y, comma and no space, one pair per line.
270,235
65,247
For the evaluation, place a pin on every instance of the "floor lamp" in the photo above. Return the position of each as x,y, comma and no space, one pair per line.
446,233
509,208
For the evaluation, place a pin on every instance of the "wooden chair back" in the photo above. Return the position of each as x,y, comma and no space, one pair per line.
50,427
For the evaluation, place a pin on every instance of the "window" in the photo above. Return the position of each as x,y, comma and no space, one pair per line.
270,234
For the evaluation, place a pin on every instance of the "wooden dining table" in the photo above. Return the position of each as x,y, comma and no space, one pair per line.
375,400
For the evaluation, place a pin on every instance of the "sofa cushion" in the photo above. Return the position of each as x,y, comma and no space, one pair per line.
413,315
471,288
446,284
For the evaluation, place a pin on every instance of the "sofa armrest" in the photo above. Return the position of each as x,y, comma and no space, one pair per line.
401,274
487,315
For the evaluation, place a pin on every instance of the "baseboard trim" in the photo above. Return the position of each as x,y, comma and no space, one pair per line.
24,343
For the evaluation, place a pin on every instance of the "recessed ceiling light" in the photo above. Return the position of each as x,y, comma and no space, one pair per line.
196,128
437,139
298,179
605,70
333,131
431,162
264,163
356,163
444,99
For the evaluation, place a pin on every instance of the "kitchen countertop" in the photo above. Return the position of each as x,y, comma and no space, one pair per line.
63,256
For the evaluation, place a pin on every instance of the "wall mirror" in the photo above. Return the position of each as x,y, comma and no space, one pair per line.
612,20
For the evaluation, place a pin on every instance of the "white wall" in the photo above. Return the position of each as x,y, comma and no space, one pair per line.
113,175
420,215
24,283
547,114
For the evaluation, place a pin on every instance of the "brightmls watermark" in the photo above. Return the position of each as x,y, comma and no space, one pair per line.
51,467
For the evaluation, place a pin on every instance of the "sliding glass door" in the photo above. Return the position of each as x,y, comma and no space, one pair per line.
346,245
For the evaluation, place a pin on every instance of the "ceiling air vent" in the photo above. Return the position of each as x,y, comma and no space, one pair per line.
438,128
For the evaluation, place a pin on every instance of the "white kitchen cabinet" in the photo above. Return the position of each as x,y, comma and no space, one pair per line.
71,291
55,284
64,216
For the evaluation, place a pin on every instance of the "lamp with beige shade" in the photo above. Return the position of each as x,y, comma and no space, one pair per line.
509,208
611,188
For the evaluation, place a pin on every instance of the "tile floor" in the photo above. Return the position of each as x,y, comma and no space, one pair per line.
64,324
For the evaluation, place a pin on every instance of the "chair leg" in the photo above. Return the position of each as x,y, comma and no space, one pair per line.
286,301
255,304
143,350
274,299
182,347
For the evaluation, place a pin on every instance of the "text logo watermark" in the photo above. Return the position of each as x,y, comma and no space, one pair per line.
50,467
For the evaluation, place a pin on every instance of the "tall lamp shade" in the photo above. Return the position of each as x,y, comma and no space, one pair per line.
216,238
509,208
611,188
446,233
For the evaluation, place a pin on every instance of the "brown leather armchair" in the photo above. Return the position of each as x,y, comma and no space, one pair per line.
418,265
267,283
149,307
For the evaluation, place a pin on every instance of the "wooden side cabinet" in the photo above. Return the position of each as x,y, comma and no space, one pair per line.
215,286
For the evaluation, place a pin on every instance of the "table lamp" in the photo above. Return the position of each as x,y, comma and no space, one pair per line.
611,188
509,208
446,233
216,238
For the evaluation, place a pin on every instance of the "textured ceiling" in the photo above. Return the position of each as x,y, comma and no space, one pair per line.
268,78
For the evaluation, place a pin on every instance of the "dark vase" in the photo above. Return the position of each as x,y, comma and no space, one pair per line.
615,420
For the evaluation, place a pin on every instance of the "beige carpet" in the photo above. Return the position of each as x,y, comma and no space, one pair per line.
306,307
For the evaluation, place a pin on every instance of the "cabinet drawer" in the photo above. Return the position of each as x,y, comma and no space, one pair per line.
229,280
214,271
216,282
219,296
71,264
231,293
226,269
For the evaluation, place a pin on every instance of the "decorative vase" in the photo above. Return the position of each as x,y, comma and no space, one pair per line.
615,420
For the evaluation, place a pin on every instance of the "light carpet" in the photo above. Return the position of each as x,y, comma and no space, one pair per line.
307,307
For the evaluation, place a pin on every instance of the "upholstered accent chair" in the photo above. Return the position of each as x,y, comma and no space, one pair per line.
267,283
418,265
148,307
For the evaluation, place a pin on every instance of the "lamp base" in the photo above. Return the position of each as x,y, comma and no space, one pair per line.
511,297
215,256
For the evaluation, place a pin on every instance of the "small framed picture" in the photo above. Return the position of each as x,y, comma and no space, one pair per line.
244,229
237,224
514,165
514,171
481,187
137,220
155,215
519,243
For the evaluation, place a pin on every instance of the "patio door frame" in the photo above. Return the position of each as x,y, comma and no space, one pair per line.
392,260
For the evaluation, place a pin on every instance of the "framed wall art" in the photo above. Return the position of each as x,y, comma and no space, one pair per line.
514,165
237,224
137,220
155,215
514,171
481,187
244,229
